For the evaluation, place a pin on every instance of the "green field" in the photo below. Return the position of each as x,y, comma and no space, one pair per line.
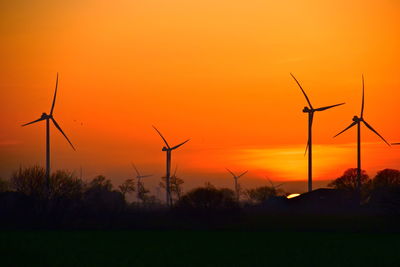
197,248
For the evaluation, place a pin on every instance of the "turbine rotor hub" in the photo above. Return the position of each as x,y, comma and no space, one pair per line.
356,119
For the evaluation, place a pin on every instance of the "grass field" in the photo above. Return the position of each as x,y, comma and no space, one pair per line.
197,248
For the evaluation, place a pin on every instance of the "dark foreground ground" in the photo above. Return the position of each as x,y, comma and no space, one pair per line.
198,248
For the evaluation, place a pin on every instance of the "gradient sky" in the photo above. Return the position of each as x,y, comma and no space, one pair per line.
213,71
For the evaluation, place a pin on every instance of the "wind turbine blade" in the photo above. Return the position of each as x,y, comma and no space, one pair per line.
305,151
395,144
144,176
328,107
41,119
372,129
279,185
165,141
176,168
272,184
242,174
362,103
175,147
311,120
55,96
304,93
59,128
231,172
137,171
351,125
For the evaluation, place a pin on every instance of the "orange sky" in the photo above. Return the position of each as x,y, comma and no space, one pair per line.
213,71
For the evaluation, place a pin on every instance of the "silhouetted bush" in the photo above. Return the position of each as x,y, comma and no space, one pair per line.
65,185
29,181
100,200
262,193
127,187
387,178
348,181
208,198
4,185
385,192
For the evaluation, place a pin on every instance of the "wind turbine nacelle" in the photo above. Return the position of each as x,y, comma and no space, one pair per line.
356,119
306,110
44,115
164,149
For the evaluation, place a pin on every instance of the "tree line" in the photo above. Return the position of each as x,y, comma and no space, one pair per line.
26,198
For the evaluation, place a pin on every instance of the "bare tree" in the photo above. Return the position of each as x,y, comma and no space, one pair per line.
349,180
143,193
29,181
127,187
175,185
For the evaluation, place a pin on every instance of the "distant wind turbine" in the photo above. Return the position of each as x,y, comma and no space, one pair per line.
357,121
139,179
273,185
49,117
236,178
168,151
310,110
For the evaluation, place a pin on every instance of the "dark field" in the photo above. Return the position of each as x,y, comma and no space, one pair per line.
198,248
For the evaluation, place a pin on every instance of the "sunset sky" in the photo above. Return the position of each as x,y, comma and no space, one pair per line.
213,71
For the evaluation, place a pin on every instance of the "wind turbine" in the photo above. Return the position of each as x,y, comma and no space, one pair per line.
236,178
357,121
139,178
49,117
273,185
168,151
310,110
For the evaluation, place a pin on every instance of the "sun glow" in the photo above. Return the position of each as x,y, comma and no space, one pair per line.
292,196
290,163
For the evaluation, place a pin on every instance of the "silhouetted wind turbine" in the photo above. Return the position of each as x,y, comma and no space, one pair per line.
395,144
139,178
310,110
235,178
168,151
273,185
49,117
357,121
